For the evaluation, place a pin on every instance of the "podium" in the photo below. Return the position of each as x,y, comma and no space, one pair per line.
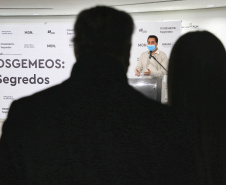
149,87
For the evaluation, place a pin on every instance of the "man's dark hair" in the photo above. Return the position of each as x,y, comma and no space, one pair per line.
103,29
153,36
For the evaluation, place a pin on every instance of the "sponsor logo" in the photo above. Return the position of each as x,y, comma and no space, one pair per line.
28,32
6,45
168,28
70,32
167,44
142,45
29,46
166,32
5,110
51,46
7,98
7,32
9,54
142,30
50,32
190,26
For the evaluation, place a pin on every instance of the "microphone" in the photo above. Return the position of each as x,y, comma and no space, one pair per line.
150,54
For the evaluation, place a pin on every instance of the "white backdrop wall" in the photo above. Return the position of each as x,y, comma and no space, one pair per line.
213,20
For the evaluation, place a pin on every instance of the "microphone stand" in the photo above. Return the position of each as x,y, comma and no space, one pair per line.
157,61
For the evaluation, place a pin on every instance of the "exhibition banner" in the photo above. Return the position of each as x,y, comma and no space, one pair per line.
36,56
33,57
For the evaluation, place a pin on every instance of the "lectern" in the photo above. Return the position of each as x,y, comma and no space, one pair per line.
150,87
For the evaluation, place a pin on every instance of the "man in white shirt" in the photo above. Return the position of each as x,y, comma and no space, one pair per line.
149,66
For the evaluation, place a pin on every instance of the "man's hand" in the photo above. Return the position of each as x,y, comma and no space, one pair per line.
147,72
137,73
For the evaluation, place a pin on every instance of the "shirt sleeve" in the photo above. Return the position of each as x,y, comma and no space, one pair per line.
139,64
161,71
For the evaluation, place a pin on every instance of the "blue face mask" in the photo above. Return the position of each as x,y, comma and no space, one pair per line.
151,47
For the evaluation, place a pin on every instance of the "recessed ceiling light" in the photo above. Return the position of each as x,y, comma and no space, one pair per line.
210,5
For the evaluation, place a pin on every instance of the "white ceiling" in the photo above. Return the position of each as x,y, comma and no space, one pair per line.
73,7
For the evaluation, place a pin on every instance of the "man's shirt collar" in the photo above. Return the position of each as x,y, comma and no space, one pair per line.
157,52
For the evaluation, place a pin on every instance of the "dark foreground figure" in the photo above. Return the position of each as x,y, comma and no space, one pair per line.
197,87
94,129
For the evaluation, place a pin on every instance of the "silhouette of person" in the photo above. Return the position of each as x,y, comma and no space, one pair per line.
196,86
94,128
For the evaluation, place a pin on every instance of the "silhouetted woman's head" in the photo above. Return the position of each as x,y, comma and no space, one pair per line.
196,78
197,85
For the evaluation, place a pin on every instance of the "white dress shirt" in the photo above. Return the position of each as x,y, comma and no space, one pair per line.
156,70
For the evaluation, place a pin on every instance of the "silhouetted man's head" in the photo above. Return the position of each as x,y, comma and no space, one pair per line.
104,29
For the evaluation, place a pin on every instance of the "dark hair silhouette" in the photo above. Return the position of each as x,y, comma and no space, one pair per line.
153,36
197,86
103,29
